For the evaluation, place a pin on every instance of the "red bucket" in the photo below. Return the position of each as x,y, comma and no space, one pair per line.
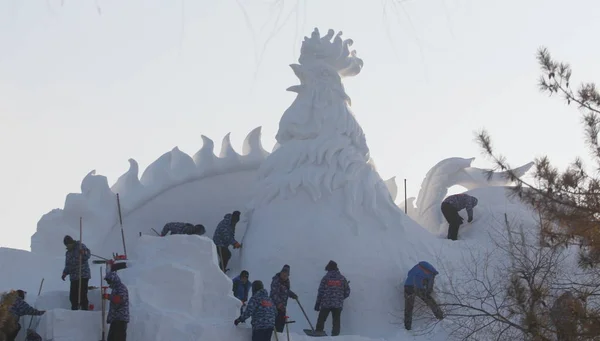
91,307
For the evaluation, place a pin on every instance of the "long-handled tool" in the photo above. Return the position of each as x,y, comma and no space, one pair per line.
39,292
102,305
311,331
80,259
121,222
287,328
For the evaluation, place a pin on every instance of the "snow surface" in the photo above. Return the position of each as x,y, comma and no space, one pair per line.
316,197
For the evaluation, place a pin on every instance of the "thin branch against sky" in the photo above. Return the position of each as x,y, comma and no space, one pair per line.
278,18
396,5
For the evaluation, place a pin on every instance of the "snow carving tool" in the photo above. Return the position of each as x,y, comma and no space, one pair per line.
39,293
311,331
121,222
287,328
158,234
103,306
80,260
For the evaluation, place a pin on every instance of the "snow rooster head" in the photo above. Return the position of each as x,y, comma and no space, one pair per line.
322,105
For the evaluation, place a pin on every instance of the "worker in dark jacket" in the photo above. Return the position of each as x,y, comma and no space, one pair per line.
182,228
280,291
225,236
450,207
419,283
75,249
333,290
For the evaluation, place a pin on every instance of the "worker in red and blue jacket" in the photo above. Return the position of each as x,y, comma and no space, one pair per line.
419,283
261,309
333,290
118,312
75,250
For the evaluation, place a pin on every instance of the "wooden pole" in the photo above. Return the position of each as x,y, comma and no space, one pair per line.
103,306
80,259
405,202
121,222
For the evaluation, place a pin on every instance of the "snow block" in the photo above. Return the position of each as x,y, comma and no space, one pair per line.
186,269
70,325
178,292
60,300
31,268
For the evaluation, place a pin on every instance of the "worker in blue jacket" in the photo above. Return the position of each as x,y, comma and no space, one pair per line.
419,283
241,287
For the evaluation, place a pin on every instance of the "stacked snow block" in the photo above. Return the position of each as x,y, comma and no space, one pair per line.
60,300
180,274
70,325
178,292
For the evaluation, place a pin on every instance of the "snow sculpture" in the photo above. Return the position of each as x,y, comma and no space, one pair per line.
174,171
322,146
318,197
147,202
448,173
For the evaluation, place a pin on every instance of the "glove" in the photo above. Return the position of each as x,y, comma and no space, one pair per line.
294,296
317,306
64,275
82,252
237,245
470,219
106,296
236,322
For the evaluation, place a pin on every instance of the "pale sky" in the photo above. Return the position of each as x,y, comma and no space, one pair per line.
83,90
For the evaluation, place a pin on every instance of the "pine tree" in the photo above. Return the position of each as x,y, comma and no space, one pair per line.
568,201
